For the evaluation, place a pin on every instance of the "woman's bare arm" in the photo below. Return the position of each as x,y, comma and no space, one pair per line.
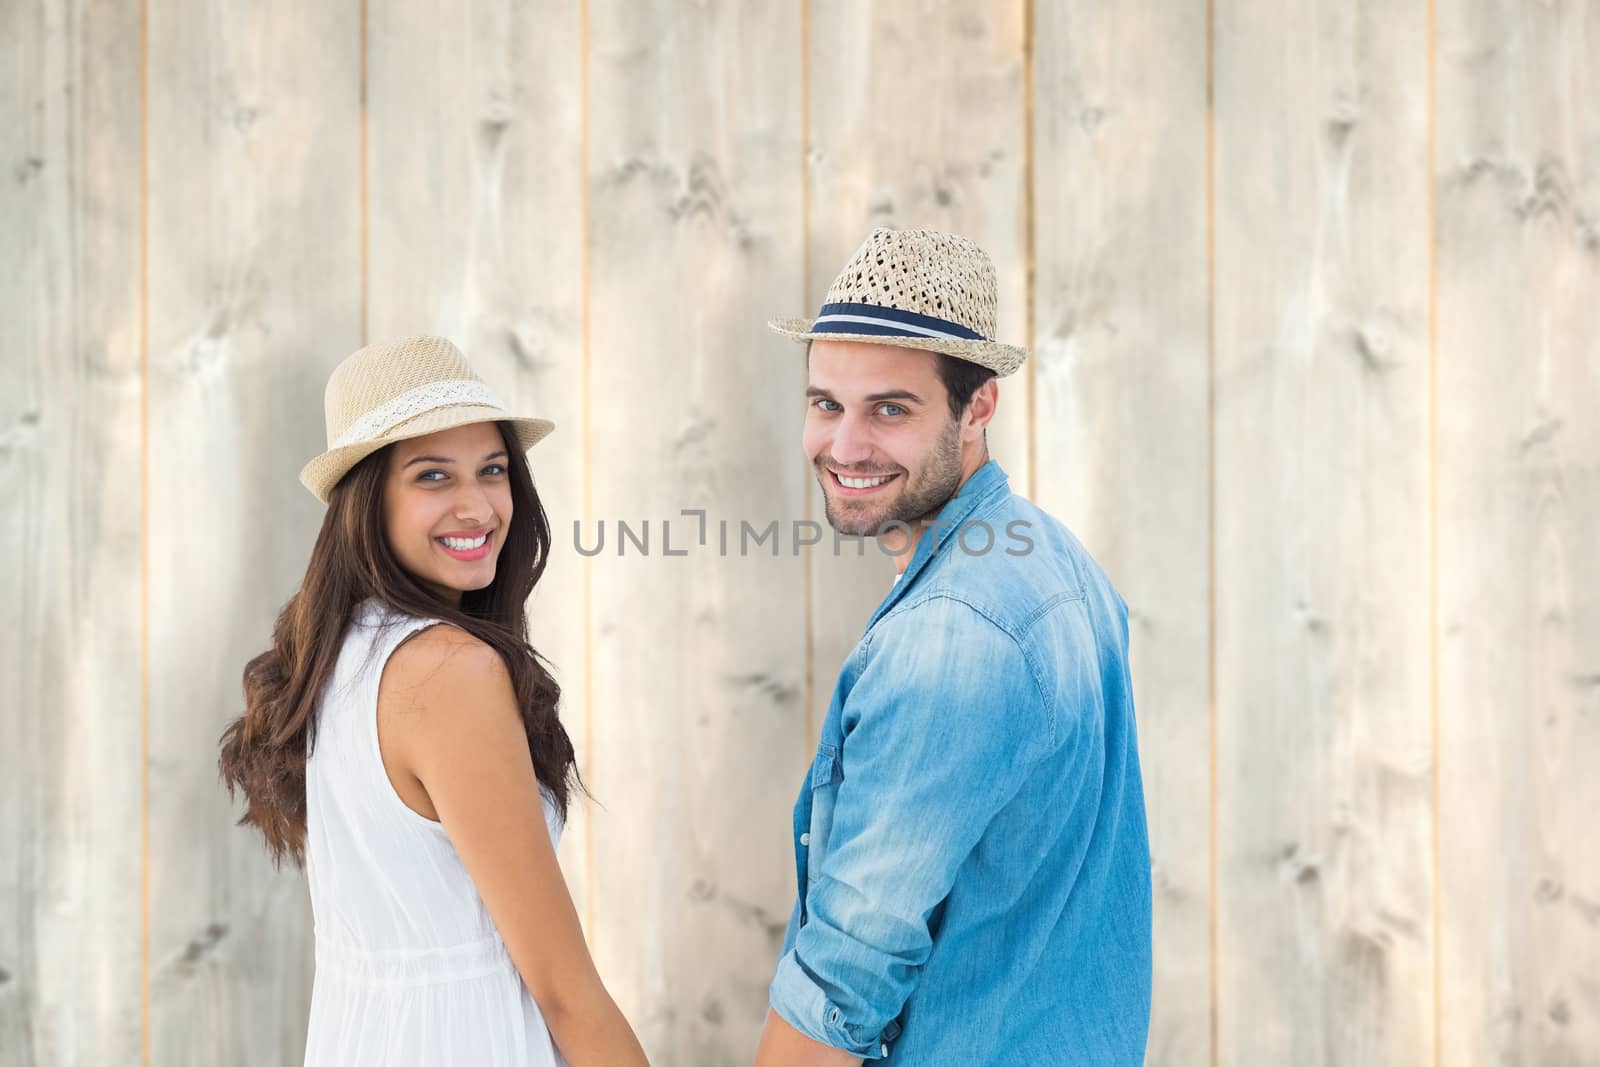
448,716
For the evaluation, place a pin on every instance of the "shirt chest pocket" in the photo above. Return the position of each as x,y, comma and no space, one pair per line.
826,774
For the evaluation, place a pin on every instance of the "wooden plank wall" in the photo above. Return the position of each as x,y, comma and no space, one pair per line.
1324,865
70,466
1518,332
1312,295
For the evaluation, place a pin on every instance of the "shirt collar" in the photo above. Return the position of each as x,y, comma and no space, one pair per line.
987,481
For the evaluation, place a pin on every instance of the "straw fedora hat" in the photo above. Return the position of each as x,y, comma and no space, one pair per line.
915,289
396,390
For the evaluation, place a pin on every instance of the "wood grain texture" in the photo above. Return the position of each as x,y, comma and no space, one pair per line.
254,292
1122,435
698,659
1518,179
70,454
1324,818
706,216
475,199
916,121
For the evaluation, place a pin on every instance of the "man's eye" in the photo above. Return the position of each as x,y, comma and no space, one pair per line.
825,404
892,409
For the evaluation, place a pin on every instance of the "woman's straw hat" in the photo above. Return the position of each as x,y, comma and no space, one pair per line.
397,390
916,289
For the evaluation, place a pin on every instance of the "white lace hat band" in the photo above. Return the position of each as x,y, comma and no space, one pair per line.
423,398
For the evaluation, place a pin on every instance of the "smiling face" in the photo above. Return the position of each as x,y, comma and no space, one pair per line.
447,507
880,435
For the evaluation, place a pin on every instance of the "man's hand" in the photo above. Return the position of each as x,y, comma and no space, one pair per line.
784,1046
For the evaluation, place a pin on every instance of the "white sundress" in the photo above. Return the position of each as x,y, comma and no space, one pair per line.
410,969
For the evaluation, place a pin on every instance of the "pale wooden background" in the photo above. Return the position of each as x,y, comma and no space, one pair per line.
1314,292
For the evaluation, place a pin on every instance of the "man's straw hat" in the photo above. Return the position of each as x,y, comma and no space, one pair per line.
916,289
396,390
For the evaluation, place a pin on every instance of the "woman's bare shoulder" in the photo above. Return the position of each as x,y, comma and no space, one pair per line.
444,667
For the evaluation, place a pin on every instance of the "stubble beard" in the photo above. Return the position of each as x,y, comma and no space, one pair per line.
917,500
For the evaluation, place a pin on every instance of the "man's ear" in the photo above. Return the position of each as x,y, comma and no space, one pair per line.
980,409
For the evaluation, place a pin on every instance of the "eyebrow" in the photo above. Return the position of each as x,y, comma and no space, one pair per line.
874,398
446,459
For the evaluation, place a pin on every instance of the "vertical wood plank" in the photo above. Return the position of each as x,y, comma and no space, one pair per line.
1518,193
70,453
254,292
695,206
1121,382
1322,531
476,231
916,121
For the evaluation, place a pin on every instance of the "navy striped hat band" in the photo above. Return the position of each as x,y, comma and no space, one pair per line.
888,322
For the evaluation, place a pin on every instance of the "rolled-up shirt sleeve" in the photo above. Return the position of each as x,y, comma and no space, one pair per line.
940,729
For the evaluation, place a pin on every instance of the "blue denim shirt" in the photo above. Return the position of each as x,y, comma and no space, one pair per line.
974,868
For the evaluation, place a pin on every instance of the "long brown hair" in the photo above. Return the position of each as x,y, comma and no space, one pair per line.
264,750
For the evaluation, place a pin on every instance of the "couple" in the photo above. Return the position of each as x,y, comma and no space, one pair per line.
971,857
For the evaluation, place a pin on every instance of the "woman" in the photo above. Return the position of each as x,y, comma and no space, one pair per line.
400,738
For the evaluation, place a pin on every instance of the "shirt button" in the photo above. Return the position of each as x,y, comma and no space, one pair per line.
883,1049
805,839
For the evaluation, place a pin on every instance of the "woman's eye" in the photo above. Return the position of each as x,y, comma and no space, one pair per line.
423,477
494,468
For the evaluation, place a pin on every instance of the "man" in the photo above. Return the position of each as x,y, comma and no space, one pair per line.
973,864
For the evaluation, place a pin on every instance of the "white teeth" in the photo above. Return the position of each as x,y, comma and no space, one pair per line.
462,544
861,483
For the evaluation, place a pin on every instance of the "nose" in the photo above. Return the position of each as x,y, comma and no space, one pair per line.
852,440
472,504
